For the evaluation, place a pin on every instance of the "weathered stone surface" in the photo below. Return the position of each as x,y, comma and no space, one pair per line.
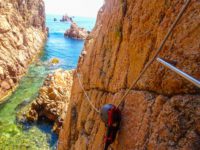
22,35
162,112
5,85
4,25
53,98
76,32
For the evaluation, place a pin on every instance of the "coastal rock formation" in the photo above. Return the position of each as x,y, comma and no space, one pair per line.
162,111
22,36
76,32
52,101
66,18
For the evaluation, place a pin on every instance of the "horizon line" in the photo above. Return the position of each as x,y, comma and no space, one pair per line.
70,15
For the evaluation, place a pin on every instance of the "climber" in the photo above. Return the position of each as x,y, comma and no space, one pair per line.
111,116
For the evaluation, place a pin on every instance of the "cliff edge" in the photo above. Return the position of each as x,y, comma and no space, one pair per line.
162,112
22,36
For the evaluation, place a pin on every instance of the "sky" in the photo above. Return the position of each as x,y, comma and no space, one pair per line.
86,8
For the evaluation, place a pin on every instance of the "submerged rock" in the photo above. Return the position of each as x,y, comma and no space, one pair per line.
23,104
54,61
53,98
76,32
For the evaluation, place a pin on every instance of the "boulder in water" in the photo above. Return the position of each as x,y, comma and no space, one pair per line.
76,32
54,61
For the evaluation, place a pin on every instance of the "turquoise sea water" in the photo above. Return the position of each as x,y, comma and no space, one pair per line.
38,136
66,49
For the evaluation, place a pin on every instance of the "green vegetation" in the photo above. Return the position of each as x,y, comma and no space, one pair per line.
118,31
15,136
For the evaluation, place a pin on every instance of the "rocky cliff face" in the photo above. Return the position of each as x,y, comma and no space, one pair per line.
162,112
22,35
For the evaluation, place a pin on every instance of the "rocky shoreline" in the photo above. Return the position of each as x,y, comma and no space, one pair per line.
10,91
53,99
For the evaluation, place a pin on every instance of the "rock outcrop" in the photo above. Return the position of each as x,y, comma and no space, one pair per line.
66,18
76,32
22,36
52,101
162,111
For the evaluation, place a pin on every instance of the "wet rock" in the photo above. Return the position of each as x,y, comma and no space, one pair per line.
32,115
47,31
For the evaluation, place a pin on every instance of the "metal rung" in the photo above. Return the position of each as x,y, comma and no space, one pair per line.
178,71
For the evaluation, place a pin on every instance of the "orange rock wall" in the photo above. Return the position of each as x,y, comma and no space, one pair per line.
162,112
22,35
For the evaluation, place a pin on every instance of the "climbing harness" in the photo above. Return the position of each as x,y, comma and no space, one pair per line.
111,114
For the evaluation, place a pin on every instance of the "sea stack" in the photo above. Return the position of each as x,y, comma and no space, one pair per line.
22,36
76,32
66,18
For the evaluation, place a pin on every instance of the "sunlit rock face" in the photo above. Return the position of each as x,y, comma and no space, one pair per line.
22,36
76,32
162,112
53,99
